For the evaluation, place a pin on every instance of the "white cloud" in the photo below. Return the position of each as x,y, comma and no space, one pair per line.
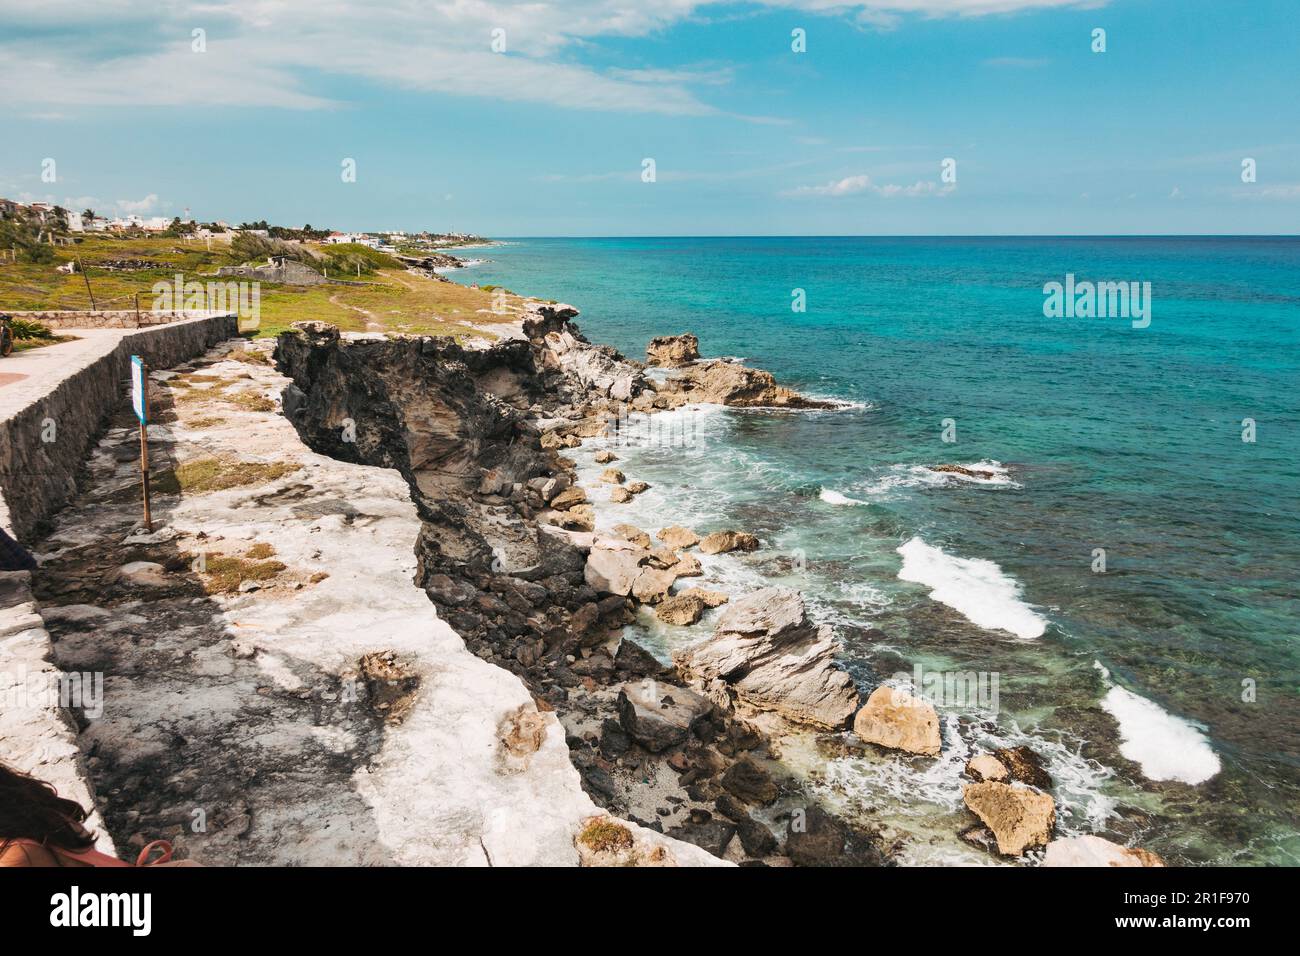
265,52
138,206
862,183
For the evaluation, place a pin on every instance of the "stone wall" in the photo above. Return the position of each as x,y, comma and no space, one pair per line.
112,319
38,476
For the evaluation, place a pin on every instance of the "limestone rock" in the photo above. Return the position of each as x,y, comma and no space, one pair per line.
658,715
720,542
611,569
652,584
1019,817
730,383
710,598
673,351
675,536
766,649
568,498
986,767
604,457
619,495
680,609
894,718
613,476
637,487
1096,851
630,532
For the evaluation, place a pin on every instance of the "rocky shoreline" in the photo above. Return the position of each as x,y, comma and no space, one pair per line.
510,555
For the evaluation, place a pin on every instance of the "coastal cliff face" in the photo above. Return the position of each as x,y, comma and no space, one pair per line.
275,690
507,555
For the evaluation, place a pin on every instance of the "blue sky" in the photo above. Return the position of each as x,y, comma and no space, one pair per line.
748,136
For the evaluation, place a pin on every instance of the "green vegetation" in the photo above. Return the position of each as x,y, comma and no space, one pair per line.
388,298
223,574
603,834
219,474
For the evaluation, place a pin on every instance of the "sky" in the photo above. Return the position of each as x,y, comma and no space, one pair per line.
897,117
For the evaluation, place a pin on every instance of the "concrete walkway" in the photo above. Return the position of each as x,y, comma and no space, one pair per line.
41,369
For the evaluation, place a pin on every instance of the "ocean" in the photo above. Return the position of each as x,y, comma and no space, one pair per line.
1120,568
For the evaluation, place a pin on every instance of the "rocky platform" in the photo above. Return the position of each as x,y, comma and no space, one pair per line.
277,691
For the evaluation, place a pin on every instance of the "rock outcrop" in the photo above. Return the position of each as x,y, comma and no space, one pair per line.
729,383
767,651
673,351
894,718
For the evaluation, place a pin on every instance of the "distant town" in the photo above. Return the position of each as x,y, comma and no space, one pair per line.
53,222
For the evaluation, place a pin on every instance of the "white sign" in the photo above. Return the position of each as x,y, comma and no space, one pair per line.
137,389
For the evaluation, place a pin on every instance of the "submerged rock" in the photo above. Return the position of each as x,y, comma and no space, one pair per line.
894,718
767,650
986,768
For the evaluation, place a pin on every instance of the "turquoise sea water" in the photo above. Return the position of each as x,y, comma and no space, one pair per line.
1166,690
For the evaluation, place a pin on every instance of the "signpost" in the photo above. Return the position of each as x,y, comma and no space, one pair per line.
140,403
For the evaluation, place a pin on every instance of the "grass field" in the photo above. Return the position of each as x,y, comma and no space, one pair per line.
390,299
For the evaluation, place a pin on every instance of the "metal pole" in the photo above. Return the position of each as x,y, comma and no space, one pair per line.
93,308
144,446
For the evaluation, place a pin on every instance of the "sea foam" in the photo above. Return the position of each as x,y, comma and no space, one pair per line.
1165,746
975,588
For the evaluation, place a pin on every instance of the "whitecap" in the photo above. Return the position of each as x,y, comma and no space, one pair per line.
1164,746
975,588
835,498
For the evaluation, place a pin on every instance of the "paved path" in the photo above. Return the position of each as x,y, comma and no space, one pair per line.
40,369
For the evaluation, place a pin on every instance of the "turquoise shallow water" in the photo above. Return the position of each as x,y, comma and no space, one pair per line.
1166,690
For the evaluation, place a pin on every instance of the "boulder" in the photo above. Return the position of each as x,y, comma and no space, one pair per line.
604,457
680,609
652,584
1019,817
619,495
658,715
1095,851
688,566
710,598
611,569
894,718
637,487
635,659
1024,766
630,532
749,783
675,536
613,476
986,767
720,542
569,497
767,650
673,351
